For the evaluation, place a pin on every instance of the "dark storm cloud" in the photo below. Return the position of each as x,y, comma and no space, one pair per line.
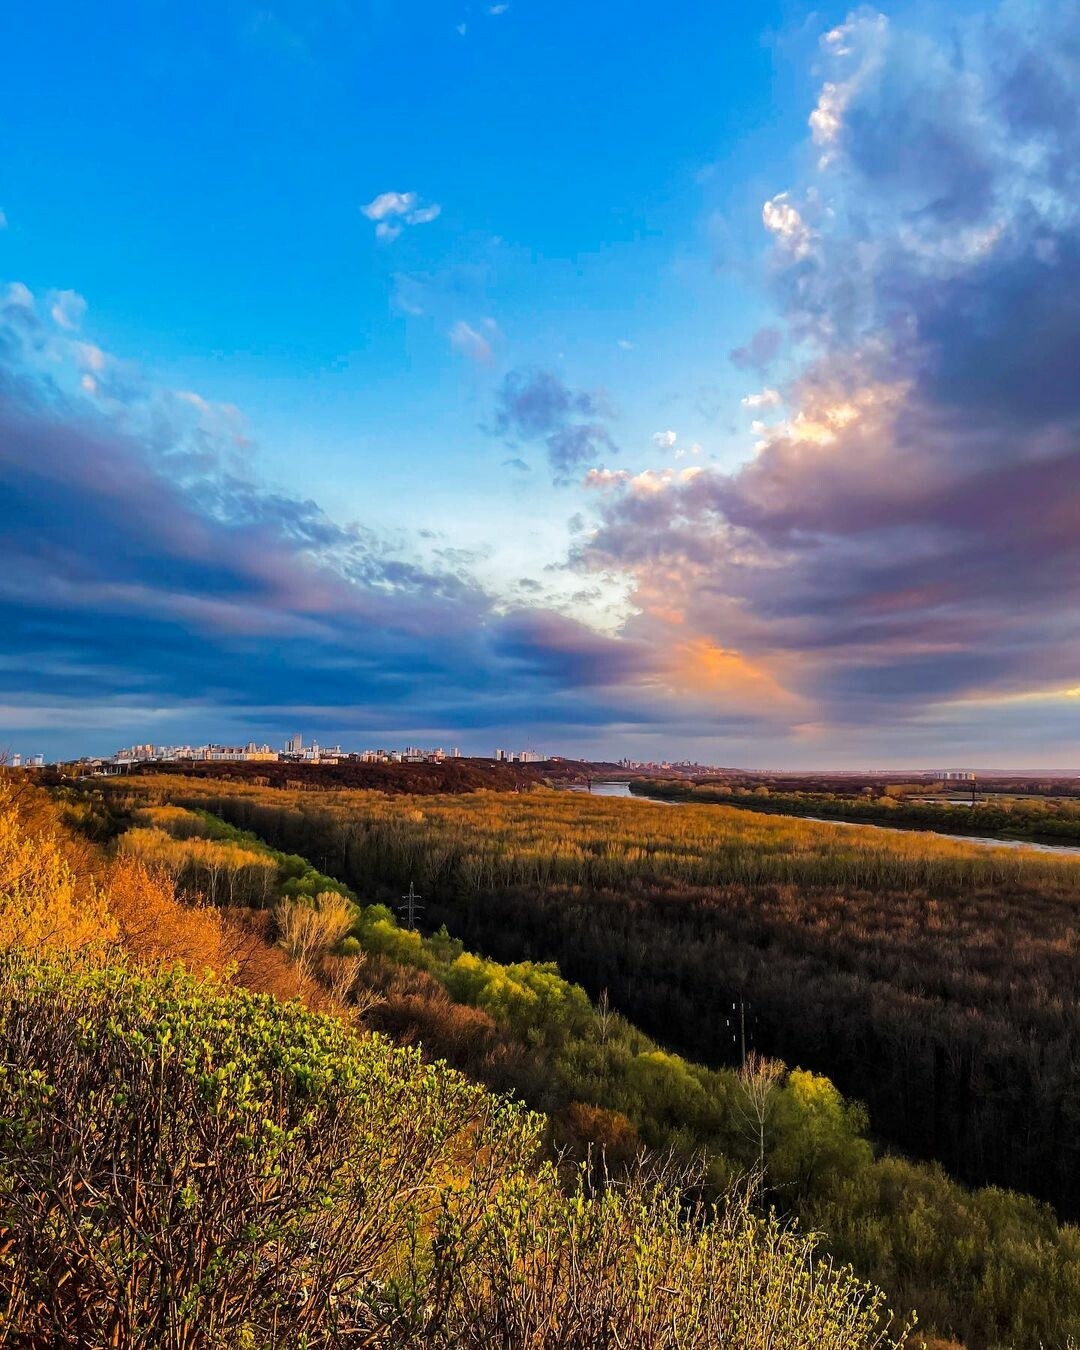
535,406
909,532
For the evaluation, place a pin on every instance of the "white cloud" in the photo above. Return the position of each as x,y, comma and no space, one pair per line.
498,9
857,48
767,398
665,439
464,338
827,119
392,211
389,204
68,308
625,344
836,39
787,224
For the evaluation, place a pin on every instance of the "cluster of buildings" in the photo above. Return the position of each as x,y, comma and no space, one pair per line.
294,752
684,766
412,754
165,754
27,761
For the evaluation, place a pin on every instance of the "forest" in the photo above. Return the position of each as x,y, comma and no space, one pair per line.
507,876
451,774
203,1144
928,978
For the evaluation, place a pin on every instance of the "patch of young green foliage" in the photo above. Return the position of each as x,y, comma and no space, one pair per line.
186,1165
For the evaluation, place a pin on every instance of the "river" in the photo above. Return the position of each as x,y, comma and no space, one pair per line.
614,789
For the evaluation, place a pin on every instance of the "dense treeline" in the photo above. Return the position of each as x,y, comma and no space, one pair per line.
978,1264
190,1164
451,775
931,979
1021,818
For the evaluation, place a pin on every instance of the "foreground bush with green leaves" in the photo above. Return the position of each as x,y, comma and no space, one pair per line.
183,1164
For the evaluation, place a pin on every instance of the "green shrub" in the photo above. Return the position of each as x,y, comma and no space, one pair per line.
184,1165
179,1161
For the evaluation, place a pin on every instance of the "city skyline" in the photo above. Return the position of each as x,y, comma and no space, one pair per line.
516,374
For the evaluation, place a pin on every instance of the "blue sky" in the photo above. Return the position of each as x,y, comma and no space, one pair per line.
600,377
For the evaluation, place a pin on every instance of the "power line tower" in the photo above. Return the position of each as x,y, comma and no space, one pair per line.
737,1025
410,906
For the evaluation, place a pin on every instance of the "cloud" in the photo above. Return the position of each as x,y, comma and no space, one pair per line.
904,547
760,352
767,398
67,309
535,405
863,37
19,296
392,211
664,440
3,221
389,204
475,345
572,446
784,220
151,580
605,478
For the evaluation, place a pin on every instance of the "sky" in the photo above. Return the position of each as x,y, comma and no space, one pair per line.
698,381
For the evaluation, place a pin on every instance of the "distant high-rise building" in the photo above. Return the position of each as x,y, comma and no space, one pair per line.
294,744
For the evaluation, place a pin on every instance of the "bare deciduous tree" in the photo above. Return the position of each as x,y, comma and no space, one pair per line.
309,931
759,1079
